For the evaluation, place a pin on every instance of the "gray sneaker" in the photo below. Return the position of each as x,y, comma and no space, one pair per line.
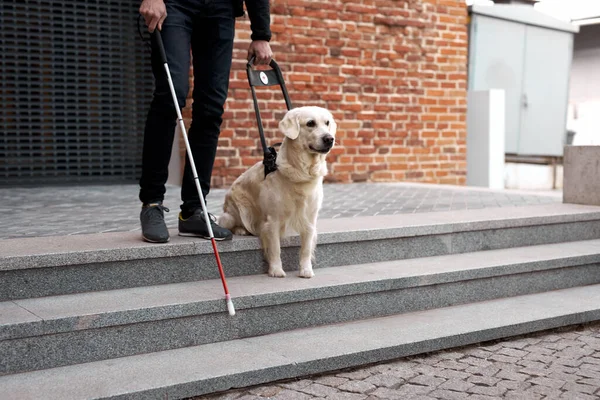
195,225
152,217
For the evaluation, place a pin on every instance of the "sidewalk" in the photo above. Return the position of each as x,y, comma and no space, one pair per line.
50,211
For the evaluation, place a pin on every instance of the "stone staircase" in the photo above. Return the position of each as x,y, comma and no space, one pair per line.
108,316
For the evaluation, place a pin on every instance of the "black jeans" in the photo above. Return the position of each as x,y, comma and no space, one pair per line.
207,28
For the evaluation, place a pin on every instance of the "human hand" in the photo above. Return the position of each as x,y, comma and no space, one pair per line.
261,51
154,13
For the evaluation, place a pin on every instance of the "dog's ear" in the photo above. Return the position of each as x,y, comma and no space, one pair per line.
332,127
290,125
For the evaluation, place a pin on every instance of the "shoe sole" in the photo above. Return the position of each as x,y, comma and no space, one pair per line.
155,241
185,234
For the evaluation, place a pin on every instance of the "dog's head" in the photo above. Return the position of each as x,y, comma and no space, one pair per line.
311,127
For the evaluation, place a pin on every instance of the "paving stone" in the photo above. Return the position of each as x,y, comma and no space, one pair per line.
483,380
249,397
492,347
503,358
568,362
514,385
288,394
575,387
516,344
553,383
513,352
483,397
378,369
521,395
316,389
451,364
494,391
531,364
476,361
590,381
357,387
564,377
456,385
448,395
425,369
346,396
590,360
587,373
451,374
296,385
426,380
225,396
385,380
385,393
451,355
534,371
360,374
402,373
593,342
540,350
266,391
479,353
575,352
412,390
513,376
546,391
332,381
577,396
490,370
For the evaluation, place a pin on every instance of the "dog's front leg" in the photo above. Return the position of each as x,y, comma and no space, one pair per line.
270,238
308,239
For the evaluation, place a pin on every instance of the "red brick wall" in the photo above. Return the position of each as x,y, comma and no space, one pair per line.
393,72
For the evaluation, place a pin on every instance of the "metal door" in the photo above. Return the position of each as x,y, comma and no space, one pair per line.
75,84
545,85
497,48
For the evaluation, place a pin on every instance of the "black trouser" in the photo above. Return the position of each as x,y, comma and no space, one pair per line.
207,28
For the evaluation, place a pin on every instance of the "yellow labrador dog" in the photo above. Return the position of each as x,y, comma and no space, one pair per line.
290,198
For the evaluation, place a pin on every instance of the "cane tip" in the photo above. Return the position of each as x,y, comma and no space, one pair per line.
230,307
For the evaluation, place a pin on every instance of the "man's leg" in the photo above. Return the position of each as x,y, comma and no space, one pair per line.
161,120
212,47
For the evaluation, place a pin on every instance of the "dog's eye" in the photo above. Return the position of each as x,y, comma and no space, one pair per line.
327,123
311,124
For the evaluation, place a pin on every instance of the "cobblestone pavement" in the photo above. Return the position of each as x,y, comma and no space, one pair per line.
27,212
558,364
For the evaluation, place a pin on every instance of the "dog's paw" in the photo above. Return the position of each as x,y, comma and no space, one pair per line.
277,272
240,231
306,273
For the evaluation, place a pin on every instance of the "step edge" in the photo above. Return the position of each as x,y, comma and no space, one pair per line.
203,247
296,368
11,331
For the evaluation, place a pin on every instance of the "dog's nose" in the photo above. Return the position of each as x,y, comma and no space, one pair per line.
328,140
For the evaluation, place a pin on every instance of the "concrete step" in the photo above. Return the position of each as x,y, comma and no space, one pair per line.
220,366
54,331
50,266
